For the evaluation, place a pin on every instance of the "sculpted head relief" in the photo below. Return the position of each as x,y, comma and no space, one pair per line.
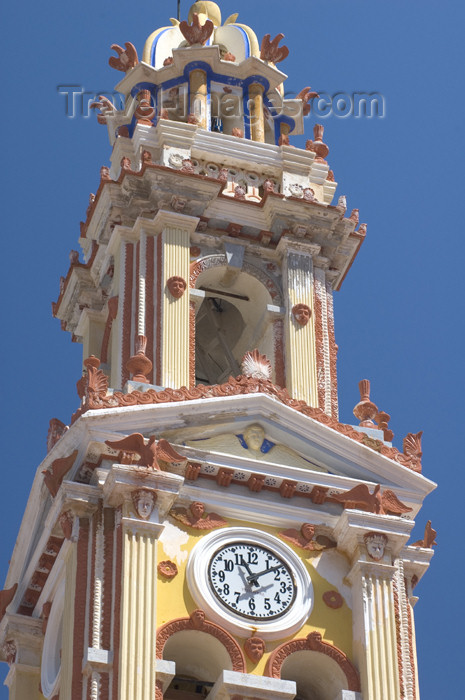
144,502
254,436
375,543
177,286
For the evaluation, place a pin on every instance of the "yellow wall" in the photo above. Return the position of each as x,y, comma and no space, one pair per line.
174,599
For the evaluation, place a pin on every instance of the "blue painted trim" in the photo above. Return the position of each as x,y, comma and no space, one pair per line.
154,45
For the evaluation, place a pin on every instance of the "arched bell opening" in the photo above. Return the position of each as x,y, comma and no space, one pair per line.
317,676
198,655
232,319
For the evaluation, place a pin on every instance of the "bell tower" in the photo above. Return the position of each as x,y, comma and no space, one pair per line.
205,525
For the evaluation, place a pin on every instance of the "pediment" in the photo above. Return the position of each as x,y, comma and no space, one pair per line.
211,433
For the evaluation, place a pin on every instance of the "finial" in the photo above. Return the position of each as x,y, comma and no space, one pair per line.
139,364
366,411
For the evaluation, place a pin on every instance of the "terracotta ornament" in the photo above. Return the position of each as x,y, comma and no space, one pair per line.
366,411
196,517
342,204
96,388
317,146
305,538
239,192
309,194
192,119
196,33
56,429
256,365
375,542
360,498
105,174
168,569
284,140
144,112
195,251
429,538
149,453
66,521
146,157
330,176
254,648
139,364
58,469
168,61
125,163
270,51
306,95
228,56
193,471
333,599
269,186
187,166
144,502
106,108
362,230
46,610
6,596
302,314
177,286
126,59
412,451
383,420
10,651
354,216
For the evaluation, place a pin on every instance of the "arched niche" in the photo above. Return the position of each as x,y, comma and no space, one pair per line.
199,648
320,670
233,318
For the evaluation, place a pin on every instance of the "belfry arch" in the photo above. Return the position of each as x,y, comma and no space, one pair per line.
234,310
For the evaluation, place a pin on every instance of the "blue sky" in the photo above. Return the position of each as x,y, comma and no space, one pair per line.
398,315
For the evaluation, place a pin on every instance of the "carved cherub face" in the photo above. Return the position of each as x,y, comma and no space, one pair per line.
254,436
254,648
144,502
301,314
375,544
177,286
197,509
307,530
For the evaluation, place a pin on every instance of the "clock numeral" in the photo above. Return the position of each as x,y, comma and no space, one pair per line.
277,575
228,565
252,604
238,595
267,604
252,558
226,589
277,599
283,587
221,575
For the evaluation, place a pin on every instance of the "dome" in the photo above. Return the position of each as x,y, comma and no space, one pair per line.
237,39
209,9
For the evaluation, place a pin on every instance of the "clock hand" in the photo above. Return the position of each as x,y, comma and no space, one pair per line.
250,577
254,576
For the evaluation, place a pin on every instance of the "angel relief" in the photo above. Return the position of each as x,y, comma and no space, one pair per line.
196,517
150,454
252,444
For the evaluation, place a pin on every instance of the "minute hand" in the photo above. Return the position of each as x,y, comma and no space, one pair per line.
254,576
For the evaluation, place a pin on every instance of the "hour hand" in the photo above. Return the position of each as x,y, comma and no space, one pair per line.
251,577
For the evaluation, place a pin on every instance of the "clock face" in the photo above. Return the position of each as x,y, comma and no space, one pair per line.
251,581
